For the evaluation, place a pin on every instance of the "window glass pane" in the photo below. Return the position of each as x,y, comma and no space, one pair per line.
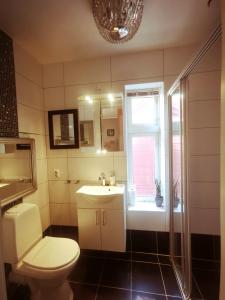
143,110
143,163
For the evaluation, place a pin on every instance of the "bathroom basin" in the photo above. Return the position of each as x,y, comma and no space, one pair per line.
3,184
99,190
97,195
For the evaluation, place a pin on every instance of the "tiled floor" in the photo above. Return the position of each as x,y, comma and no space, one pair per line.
132,275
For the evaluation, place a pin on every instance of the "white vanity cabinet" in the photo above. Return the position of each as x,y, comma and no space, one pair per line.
101,221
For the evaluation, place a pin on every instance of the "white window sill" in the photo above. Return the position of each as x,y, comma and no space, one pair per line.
146,206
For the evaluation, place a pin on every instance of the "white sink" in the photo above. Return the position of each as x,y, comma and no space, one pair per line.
3,184
99,190
97,195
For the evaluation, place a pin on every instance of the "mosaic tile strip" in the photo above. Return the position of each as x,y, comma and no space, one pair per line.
8,106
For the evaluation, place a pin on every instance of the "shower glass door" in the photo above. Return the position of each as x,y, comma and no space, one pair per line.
179,243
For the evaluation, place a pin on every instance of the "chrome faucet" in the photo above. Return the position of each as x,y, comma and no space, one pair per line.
102,178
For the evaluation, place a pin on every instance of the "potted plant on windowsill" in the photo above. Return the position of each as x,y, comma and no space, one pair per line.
176,199
158,197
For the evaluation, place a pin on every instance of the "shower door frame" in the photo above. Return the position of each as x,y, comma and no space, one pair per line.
184,281
182,80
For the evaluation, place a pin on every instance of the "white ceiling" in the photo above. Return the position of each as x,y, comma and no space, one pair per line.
63,30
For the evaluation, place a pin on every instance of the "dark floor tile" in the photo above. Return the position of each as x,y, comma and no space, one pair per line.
145,257
128,241
164,259
208,282
146,296
205,264
216,244
195,293
117,273
163,242
70,232
22,292
94,253
143,241
117,255
176,298
106,293
202,246
83,291
87,270
170,281
147,278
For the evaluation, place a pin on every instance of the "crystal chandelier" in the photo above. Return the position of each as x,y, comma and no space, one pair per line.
117,20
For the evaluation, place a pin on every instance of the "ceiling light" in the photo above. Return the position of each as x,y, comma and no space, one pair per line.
89,99
110,97
117,20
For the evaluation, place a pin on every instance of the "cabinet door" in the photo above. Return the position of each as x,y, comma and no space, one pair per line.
113,230
89,223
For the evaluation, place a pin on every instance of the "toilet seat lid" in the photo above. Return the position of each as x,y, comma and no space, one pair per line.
52,253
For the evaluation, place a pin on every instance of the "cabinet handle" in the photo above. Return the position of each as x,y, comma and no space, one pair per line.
97,218
103,218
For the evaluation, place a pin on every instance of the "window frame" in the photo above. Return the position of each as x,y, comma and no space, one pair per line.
136,130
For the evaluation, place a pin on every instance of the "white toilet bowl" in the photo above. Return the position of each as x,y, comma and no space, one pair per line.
44,263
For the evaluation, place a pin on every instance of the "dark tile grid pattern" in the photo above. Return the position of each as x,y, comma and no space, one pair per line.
8,106
205,266
138,274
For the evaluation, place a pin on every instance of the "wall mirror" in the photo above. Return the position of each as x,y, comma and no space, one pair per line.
101,122
17,169
63,129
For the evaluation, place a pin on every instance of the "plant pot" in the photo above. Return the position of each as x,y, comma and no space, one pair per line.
159,201
176,201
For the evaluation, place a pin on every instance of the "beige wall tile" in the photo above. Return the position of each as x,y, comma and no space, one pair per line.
212,60
53,75
204,168
146,220
205,221
54,98
26,65
60,214
88,168
42,175
58,164
40,197
45,217
175,59
30,120
204,141
59,192
87,71
120,167
204,114
140,65
204,194
73,214
211,83
29,93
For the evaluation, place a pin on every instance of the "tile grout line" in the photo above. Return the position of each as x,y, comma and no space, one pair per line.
164,286
100,279
197,286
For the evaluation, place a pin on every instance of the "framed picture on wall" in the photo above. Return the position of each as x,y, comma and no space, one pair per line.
110,132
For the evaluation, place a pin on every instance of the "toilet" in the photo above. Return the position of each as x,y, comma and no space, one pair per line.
43,263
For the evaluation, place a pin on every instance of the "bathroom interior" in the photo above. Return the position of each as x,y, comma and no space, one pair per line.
111,151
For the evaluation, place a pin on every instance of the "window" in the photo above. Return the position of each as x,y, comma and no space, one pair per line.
144,134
